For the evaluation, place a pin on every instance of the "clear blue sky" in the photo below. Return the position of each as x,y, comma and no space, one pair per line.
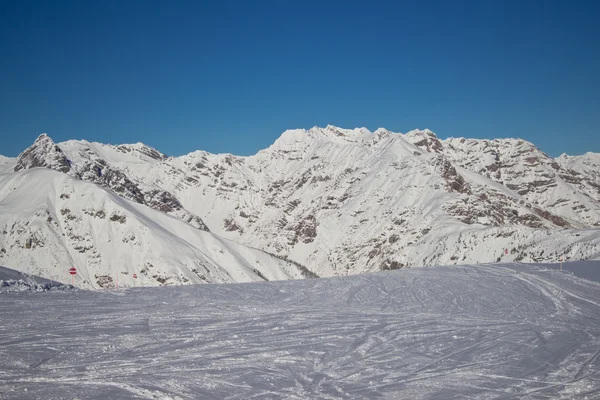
230,76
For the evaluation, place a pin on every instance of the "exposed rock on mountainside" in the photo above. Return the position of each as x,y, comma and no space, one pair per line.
143,150
51,221
559,193
43,153
354,183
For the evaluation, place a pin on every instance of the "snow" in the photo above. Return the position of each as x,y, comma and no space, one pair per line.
587,164
7,164
589,270
473,331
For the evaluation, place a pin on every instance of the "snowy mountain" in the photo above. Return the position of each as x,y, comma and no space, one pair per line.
350,201
51,221
339,201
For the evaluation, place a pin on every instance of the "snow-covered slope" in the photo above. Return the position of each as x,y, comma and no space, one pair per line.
51,221
468,332
7,163
584,171
346,201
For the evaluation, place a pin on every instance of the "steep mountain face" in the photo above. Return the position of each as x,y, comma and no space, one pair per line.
583,172
555,192
51,221
43,153
342,201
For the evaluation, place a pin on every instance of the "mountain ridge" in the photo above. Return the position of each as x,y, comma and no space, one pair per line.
315,128
345,201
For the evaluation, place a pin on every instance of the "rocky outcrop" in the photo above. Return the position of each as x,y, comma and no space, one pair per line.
142,149
43,153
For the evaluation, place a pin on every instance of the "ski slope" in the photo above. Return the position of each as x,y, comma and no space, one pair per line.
501,331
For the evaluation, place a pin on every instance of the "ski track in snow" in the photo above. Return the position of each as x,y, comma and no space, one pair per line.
500,331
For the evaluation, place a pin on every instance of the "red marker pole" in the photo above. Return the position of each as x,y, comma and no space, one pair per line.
73,271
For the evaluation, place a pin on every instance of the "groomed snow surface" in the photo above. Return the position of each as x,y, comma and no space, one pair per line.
498,331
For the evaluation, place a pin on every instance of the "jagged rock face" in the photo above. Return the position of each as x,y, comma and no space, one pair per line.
425,140
517,164
43,153
562,195
142,149
117,182
162,200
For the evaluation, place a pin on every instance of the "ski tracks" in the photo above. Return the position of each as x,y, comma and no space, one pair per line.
473,331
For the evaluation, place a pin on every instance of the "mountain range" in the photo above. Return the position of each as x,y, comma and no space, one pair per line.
318,202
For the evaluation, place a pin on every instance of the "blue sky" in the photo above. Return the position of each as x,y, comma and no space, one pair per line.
230,76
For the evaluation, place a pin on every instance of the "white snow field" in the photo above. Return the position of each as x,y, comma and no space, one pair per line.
497,331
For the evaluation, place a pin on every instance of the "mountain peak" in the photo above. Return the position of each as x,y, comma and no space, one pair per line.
424,139
43,153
